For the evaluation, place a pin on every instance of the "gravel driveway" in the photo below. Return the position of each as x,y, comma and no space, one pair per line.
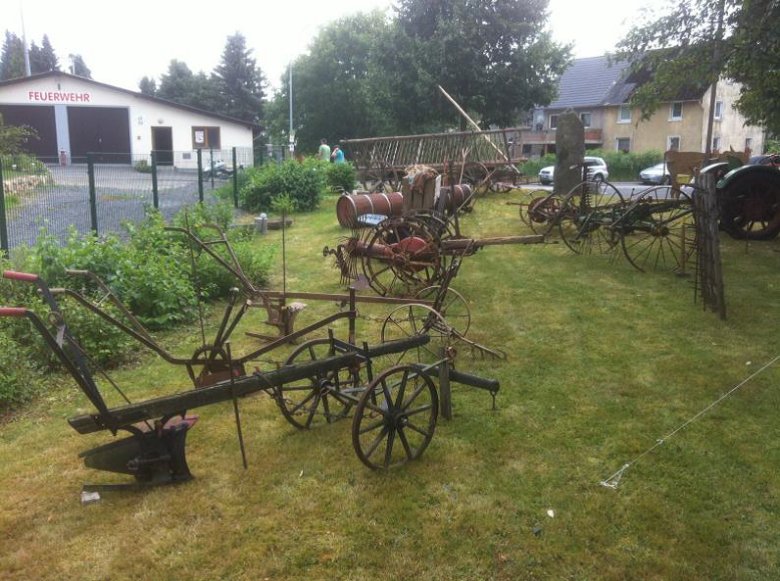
122,194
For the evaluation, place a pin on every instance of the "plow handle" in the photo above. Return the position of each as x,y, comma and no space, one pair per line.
13,312
490,385
23,276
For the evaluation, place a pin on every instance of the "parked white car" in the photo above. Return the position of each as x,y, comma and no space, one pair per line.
656,174
597,171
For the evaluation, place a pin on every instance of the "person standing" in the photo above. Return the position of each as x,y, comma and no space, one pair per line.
324,151
337,156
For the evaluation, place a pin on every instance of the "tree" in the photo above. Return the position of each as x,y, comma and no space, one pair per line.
336,87
699,41
755,46
493,56
177,84
148,86
12,57
78,67
239,81
43,59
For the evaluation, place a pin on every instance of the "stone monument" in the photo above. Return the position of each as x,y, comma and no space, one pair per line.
570,152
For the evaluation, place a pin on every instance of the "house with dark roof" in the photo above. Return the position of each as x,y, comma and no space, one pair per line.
74,116
600,91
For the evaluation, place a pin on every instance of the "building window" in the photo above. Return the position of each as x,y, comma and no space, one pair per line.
716,144
676,111
718,110
673,143
623,144
205,138
553,121
748,143
585,118
624,114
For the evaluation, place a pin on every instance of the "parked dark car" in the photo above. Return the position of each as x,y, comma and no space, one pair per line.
772,159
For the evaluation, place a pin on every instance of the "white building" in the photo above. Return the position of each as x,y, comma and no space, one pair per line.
74,116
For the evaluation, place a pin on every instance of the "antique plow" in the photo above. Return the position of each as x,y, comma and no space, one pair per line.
395,410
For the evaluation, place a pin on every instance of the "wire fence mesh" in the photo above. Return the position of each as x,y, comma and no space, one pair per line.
101,197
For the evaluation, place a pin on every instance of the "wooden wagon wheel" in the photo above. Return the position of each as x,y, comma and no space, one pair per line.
402,255
317,399
476,175
395,418
658,231
503,179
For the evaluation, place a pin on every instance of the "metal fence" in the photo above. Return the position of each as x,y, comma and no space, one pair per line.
100,196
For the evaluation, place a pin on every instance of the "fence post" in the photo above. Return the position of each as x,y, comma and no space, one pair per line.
200,175
155,191
211,167
235,178
92,193
3,224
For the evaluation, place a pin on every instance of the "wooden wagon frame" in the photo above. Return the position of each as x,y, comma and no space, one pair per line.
480,158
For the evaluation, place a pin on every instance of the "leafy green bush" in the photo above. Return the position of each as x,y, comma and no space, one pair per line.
341,176
143,166
220,214
305,182
151,274
19,380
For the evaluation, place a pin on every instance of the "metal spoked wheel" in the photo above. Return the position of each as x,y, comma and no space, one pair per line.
586,219
415,319
395,418
402,255
542,211
453,307
658,231
317,399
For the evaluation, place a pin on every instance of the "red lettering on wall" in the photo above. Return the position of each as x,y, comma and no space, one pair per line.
59,96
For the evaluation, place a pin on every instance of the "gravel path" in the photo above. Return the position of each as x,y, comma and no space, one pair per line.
122,195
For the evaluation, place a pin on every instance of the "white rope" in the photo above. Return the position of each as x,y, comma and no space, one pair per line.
614,480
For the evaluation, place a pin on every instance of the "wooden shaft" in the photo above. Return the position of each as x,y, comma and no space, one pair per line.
464,243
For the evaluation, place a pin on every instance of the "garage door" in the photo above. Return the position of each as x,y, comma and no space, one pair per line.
104,131
40,118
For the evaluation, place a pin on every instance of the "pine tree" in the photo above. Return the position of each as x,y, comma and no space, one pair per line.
78,67
12,57
148,86
240,82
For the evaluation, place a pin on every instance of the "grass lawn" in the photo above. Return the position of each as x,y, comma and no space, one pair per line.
603,362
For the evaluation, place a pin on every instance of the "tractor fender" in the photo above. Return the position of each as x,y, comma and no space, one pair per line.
729,178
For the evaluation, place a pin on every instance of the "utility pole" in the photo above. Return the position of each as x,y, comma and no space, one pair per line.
27,72
291,135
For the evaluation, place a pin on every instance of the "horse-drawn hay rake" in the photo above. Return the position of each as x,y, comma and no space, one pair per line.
655,227
394,410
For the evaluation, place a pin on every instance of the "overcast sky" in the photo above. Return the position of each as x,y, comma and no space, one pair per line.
123,42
